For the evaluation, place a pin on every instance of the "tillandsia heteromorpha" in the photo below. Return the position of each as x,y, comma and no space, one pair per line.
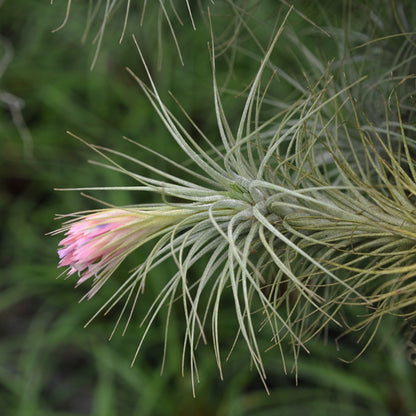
301,215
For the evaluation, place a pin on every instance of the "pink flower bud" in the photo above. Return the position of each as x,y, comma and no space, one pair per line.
96,244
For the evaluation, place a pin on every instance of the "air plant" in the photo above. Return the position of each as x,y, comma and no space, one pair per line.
304,215
99,15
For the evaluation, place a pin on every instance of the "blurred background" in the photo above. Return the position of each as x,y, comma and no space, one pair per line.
50,364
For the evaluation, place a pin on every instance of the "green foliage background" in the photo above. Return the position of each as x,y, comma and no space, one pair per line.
49,364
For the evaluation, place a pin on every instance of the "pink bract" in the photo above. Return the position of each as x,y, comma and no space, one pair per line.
99,242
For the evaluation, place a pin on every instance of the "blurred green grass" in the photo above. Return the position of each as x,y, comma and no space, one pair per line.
49,364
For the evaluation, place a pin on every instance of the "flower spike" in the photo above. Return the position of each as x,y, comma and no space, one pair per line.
96,244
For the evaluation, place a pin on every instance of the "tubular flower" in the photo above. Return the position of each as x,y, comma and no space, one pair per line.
96,244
